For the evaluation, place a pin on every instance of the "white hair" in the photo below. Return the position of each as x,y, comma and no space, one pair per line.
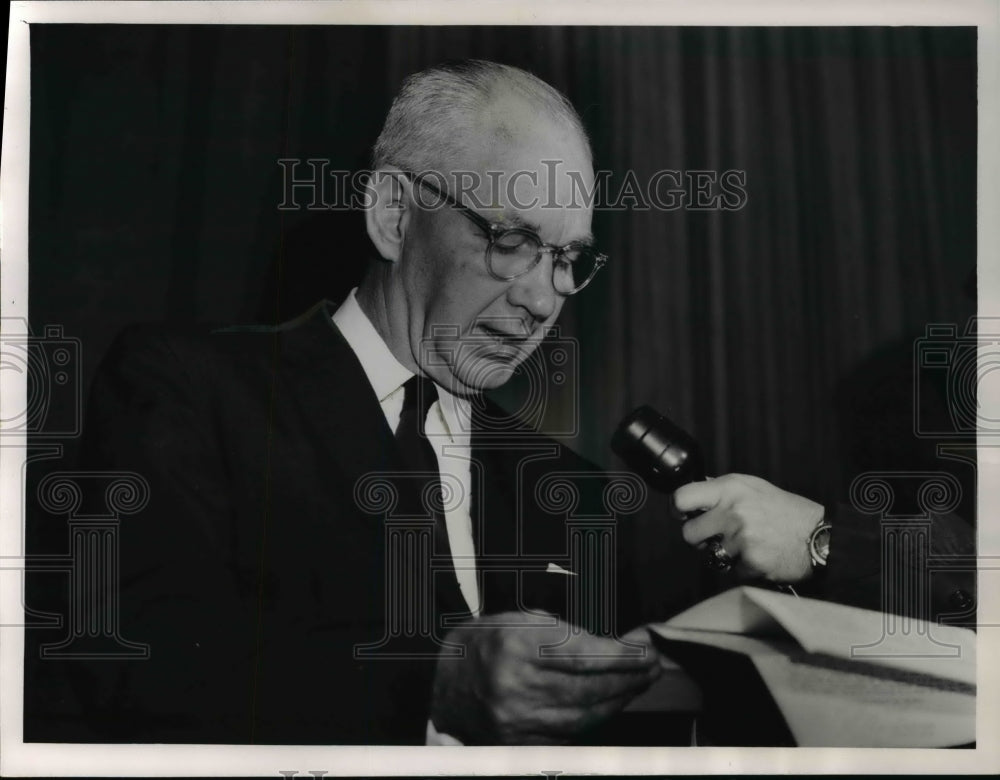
437,115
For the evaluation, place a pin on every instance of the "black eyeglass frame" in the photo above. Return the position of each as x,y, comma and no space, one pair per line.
493,231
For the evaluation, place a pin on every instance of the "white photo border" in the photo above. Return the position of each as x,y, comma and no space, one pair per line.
19,759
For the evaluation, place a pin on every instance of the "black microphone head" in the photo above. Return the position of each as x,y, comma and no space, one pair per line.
660,452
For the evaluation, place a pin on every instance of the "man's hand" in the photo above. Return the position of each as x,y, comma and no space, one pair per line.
505,691
766,527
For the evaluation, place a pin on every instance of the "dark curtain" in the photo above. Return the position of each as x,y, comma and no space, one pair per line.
780,333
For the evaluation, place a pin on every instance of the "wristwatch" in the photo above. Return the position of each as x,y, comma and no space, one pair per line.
819,544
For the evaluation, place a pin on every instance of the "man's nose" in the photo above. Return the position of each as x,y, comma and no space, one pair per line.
534,291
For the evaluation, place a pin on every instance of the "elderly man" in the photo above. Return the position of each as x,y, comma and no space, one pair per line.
269,575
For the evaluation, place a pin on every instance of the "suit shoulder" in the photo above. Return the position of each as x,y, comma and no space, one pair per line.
189,340
203,346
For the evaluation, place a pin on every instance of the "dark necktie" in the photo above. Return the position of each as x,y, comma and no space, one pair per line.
419,456
417,450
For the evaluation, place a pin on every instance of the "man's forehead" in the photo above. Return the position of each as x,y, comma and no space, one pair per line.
522,165
528,144
519,178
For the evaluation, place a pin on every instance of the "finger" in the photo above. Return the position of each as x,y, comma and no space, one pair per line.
589,654
620,688
736,547
695,496
581,692
639,635
563,723
597,713
611,687
573,661
712,523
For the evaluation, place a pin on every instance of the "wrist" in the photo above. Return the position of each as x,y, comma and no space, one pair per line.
812,517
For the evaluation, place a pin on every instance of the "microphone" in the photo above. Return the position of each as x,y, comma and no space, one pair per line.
666,457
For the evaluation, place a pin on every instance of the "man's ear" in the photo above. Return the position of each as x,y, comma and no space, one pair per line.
387,211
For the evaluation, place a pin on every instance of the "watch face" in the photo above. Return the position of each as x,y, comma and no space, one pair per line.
819,545
823,543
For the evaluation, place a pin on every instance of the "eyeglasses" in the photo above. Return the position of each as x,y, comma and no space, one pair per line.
513,251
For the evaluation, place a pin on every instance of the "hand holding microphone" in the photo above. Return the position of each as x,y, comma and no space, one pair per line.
735,517
667,458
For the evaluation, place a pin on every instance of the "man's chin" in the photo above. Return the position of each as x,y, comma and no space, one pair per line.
486,374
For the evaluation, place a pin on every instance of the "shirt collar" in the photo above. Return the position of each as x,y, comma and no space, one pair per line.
386,374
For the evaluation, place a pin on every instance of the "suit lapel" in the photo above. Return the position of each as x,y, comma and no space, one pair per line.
331,389
505,510
496,516
511,524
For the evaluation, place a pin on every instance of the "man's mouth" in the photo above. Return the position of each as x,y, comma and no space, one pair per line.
510,346
503,336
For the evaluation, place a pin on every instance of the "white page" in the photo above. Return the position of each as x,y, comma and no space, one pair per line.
836,708
826,703
836,629
873,637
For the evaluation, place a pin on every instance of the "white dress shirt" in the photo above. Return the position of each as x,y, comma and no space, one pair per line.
447,427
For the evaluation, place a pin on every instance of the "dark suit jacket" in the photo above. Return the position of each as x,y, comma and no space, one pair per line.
258,576
906,565
258,568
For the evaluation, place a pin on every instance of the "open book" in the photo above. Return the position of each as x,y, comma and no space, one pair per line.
839,676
